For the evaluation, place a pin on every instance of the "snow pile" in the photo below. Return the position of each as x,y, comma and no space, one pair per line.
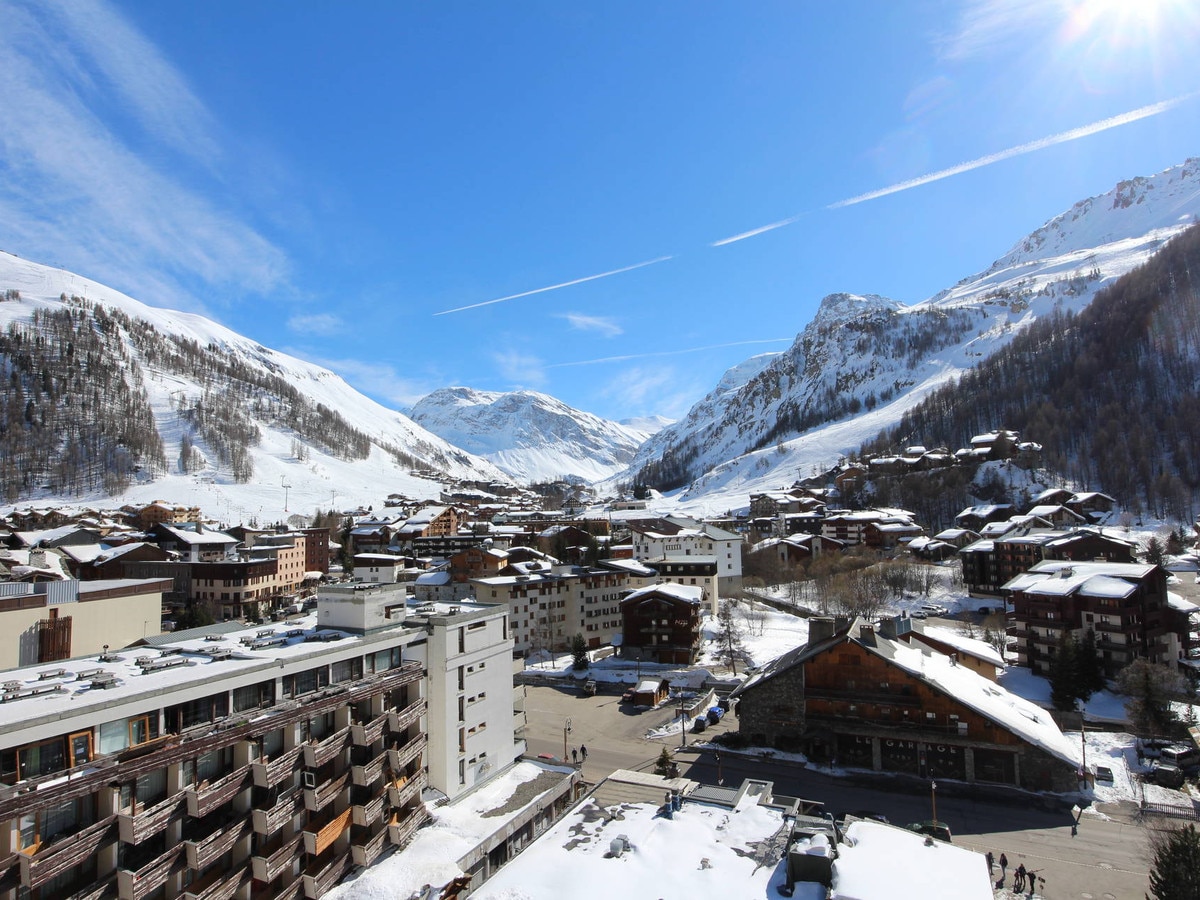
884,861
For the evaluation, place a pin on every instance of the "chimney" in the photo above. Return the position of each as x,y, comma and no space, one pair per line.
820,628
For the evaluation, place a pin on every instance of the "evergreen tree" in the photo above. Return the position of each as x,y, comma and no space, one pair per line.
1090,671
1150,688
1175,873
1154,551
729,636
662,765
1063,674
579,652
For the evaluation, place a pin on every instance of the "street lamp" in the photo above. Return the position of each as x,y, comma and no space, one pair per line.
720,777
682,725
933,799
566,731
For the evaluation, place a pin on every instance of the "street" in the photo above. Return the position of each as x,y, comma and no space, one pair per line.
1107,858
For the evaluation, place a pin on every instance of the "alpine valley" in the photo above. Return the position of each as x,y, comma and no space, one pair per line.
107,400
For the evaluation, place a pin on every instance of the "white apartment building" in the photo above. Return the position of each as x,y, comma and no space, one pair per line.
676,536
259,763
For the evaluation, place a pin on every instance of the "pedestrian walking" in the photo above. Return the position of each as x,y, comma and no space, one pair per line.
583,752
1003,865
1019,879
574,756
991,861
1033,881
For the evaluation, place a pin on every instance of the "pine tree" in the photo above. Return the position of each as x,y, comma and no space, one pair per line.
579,652
662,765
1090,671
1063,675
1175,873
1150,688
729,637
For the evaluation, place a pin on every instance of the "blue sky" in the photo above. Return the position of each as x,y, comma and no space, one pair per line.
389,188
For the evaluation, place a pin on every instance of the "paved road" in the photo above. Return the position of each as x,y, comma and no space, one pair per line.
1106,860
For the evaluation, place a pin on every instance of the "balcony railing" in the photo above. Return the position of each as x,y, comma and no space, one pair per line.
319,880
270,821
319,839
398,759
136,827
316,799
856,696
204,798
105,889
317,753
270,773
63,852
365,776
367,851
220,885
203,852
150,877
400,830
400,720
269,867
368,734
400,792
364,814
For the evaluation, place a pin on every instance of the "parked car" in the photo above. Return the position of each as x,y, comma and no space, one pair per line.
867,814
1180,756
1152,748
1166,775
589,686
714,715
939,830
700,724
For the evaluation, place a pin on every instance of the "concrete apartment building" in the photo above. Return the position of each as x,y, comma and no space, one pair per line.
47,621
254,763
675,536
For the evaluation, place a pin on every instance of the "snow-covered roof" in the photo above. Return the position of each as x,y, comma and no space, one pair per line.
433,578
688,593
882,861
959,641
199,538
1060,578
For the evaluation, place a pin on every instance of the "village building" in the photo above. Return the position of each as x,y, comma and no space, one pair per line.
1124,605
661,624
868,700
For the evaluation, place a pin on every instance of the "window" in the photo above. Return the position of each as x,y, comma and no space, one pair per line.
252,696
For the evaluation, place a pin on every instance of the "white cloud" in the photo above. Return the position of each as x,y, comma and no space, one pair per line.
653,390
73,189
323,324
989,25
523,370
600,324
380,381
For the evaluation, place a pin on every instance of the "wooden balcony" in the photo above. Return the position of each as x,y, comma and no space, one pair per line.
136,827
316,799
365,776
400,720
63,852
269,821
365,814
400,830
398,759
400,792
317,753
220,885
202,853
319,879
368,734
321,839
150,877
366,851
105,889
206,797
273,771
269,867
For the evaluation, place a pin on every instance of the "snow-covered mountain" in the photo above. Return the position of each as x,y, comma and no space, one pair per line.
533,437
864,360
182,367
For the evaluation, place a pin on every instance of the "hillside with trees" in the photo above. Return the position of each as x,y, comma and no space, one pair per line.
1110,392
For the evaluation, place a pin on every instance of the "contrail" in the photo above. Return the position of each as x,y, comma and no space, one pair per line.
554,287
629,356
754,232
1040,144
